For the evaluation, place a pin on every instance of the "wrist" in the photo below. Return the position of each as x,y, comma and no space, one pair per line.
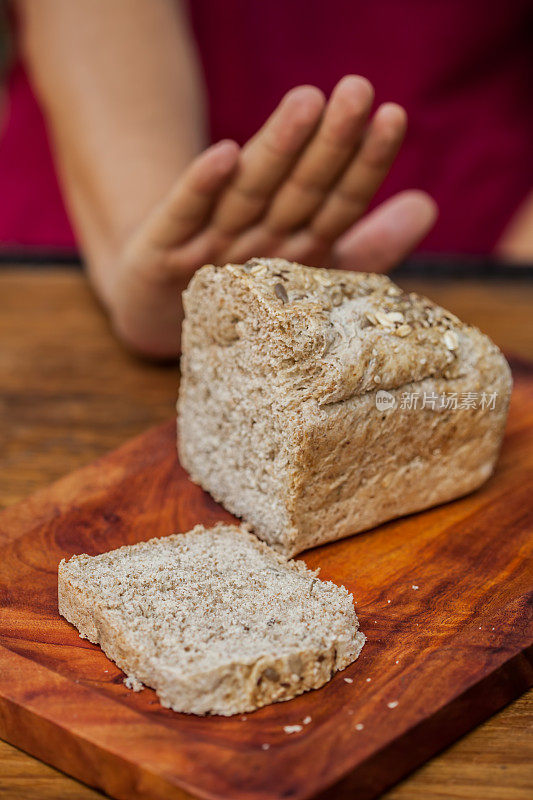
146,315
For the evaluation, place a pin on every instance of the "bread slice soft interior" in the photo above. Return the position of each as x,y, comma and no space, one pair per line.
214,620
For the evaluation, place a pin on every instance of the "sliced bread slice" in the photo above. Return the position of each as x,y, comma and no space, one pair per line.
214,620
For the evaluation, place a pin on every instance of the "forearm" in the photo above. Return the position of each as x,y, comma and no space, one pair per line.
119,84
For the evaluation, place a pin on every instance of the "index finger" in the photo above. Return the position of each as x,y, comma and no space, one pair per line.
186,208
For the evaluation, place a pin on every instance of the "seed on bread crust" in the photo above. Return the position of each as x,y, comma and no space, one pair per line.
403,330
281,292
450,340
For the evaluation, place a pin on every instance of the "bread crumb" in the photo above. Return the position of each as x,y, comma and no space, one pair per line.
243,719
414,586
292,728
133,683
265,746
359,726
348,680
393,704
307,720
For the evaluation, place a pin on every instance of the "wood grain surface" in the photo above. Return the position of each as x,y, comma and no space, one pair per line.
70,393
443,597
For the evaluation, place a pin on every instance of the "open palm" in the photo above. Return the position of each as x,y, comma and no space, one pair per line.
298,189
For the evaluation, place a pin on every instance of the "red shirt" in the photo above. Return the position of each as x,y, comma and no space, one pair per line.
462,69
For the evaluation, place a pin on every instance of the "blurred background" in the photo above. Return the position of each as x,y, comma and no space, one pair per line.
462,70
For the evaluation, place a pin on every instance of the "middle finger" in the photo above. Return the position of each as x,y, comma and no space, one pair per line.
325,157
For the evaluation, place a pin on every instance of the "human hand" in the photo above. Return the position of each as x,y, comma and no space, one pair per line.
298,189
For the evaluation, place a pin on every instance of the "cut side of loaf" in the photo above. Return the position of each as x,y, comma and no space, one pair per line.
214,620
318,403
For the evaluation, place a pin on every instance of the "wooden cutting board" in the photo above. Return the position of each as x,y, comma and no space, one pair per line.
444,598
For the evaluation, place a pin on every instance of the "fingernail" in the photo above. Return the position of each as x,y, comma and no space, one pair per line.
357,81
226,151
394,109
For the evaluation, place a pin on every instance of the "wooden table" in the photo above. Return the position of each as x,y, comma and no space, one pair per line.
70,392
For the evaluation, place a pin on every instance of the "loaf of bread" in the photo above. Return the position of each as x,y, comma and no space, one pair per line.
318,403
214,620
